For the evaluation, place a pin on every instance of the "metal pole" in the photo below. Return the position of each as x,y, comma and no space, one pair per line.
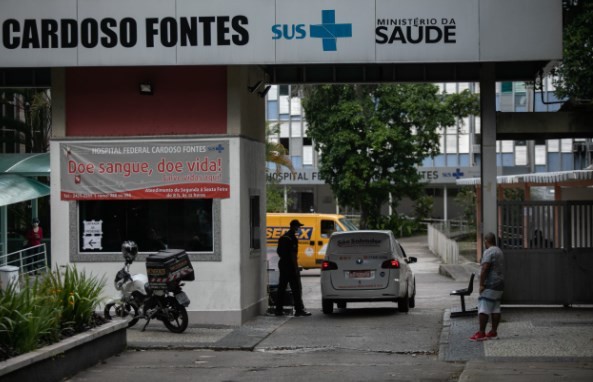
4,233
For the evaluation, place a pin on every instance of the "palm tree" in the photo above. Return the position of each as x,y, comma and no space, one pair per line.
276,153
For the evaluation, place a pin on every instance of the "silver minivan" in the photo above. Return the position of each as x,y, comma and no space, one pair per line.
362,266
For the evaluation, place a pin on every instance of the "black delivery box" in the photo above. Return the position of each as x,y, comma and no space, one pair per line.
167,267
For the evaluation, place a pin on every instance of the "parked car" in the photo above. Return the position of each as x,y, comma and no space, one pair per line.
362,266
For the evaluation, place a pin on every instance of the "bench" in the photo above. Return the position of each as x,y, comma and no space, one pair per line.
462,293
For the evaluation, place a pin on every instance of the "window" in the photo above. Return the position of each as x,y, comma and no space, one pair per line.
452,160
464,143
254,222
273,93
506,87
451,144
152,224
520,155
284,142
284,104
307,155
295,129
272,110
295,106
540,155
283,89
520,87
506,146
553,145
327,228
285,130
297,161
566,145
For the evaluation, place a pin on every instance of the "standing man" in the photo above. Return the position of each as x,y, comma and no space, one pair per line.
288,249
491,288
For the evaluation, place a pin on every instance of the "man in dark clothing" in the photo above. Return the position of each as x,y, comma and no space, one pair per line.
288,248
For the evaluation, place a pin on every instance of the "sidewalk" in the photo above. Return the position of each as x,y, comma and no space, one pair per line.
549,344
544,343
245,337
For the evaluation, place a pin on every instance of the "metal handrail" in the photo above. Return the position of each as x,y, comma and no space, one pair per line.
29,260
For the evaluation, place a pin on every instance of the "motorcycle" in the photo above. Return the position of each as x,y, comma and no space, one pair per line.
159,296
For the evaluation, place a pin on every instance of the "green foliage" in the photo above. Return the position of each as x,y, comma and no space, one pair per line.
516,194
466,198
78,295
372,137
400,225
28,320
47,308
575,74
423,207
275,198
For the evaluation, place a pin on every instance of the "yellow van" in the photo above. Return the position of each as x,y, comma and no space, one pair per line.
313,236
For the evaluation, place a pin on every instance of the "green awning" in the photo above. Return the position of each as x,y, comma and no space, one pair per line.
25,164
16,189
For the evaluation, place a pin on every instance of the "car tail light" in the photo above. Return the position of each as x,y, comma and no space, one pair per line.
390,264
328,266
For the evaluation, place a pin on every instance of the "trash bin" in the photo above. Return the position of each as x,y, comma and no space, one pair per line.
9,274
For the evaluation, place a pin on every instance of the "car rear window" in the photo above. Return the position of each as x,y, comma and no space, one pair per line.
359,242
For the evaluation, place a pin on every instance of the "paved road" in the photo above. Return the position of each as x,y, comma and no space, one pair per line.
367,342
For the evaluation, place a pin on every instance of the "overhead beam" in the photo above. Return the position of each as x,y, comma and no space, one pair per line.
388,72
543,125
25,77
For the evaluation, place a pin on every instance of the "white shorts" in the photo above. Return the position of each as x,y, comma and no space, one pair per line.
488,306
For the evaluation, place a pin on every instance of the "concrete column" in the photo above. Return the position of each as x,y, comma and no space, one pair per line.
58,102
488,147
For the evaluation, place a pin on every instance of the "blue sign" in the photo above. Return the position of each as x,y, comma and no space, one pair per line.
328,31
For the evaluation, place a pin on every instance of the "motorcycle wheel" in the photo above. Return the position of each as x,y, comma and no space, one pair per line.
122,310
176,319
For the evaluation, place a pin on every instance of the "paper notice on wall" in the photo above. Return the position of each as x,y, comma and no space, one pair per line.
92,235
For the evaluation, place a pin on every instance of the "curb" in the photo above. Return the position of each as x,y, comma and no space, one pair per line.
67,357
444,338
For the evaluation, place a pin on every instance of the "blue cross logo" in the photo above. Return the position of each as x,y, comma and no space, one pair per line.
329,31
219,148
457,174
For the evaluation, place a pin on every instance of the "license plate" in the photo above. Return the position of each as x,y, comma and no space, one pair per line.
359,274
182,299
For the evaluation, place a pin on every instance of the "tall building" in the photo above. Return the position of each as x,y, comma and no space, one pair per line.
459,149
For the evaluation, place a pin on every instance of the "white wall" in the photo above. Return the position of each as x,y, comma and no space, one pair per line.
226,292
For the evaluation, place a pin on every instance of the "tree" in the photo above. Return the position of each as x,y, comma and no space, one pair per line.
372,137
574,76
